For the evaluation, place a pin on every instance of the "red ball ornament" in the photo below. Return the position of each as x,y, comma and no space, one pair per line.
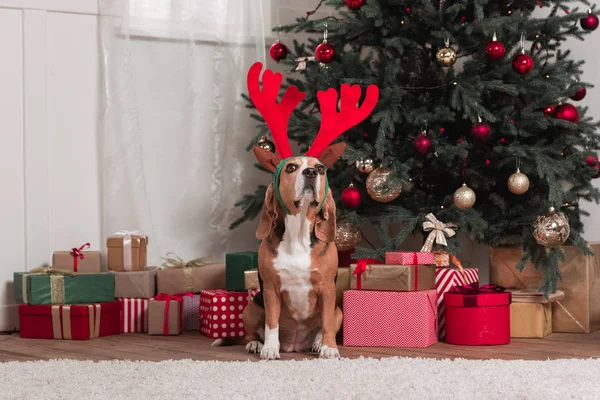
351,197
591,160
589,23
422,143
494,50
325,53
579,95
278,51
548,111
522,63
567,112
481,131
355,4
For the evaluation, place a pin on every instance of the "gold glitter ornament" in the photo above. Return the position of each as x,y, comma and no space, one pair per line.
347,236
551,229
464,197
266,144
446,56
365,166
380,186
518,183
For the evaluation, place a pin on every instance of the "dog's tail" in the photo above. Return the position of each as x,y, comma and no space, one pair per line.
226,342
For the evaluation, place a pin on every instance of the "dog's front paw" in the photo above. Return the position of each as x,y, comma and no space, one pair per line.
329,352
269,352
318,342
254,346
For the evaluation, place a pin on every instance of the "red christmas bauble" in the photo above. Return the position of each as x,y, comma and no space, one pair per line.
422,144
597,168
355,4
325,53
481,131
579,95
591,160
494,50
522,64
548,111
589,23
278,51
351,197
567,112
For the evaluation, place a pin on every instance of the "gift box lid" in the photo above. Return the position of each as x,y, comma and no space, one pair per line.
136,241
477,300
535,296
78,310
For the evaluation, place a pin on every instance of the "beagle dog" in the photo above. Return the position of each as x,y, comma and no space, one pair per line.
295,309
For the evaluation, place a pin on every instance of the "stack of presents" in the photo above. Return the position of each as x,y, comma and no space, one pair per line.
74,299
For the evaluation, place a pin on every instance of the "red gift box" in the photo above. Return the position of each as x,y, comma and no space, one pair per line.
134,315
446,279
252,293
221,313
409,258
477,315
390,319
76,321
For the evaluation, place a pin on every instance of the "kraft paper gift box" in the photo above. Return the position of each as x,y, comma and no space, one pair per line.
135,284
236,264
76,322
390,319
190,279
400,278
165,315
221,313
134,315
77,260
579,311
531,313
127,251
56,288
446,279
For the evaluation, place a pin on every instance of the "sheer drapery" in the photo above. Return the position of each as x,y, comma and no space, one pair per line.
174,125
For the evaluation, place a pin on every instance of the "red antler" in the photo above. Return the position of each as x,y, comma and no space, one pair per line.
276,115
333,124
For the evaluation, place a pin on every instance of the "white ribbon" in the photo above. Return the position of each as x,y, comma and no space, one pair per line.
126,235
438,231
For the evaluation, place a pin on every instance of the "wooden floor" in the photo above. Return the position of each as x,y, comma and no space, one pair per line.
196,347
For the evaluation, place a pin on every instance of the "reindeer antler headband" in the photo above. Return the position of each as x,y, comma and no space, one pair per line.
333,123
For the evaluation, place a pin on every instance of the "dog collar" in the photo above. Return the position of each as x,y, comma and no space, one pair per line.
278,194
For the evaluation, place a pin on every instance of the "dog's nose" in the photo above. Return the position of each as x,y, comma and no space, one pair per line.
310,172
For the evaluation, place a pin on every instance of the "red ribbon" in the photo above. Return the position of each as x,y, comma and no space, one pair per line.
416,265
167,299
471,291
361,267
76,253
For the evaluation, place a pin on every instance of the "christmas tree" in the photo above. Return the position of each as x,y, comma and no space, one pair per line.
475,122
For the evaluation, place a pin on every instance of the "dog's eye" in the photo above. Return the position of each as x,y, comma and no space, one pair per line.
291,168
321,169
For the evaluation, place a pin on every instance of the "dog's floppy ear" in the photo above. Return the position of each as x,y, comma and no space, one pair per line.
325,222
332,153
267,159
268,215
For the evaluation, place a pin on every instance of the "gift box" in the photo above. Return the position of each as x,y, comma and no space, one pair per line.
441,259
165,315
127,251
191,313
409,258
135,284
252,293
221,313
251,279
342,283
531,313
446,279
400,278
390,319
236,264
190,279
579,311
477,315
134,315
77,260
75,322
55,287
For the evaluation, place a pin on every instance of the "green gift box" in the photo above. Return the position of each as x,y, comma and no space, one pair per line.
235,265
56,288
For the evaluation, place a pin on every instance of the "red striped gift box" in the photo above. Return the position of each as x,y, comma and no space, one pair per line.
134,315
445,279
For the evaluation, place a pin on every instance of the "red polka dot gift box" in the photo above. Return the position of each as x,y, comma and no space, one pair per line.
221,313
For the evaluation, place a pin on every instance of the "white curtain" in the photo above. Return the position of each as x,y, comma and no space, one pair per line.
175,128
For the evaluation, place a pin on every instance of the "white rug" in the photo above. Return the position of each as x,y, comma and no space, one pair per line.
365,378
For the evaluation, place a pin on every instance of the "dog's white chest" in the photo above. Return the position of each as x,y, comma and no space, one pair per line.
293,262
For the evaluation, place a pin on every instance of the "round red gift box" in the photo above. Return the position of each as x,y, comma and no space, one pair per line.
477,319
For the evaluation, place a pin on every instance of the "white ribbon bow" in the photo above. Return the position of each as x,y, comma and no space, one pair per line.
302,62
126,235
439,230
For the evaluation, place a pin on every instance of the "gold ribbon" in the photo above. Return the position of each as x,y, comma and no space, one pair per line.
57,283
438,233
178,262
187,280
61,327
